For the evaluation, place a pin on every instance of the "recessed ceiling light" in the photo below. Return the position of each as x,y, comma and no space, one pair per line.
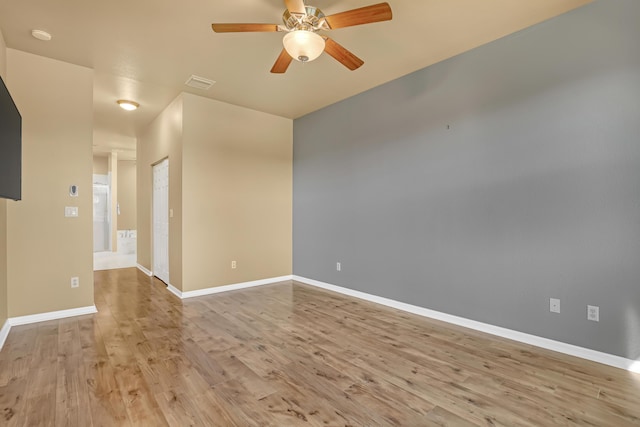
128,105
41,35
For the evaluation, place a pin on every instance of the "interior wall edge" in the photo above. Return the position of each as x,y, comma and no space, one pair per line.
4,333
144,270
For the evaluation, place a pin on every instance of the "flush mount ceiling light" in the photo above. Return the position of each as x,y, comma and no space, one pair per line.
41,35
128,105
303,45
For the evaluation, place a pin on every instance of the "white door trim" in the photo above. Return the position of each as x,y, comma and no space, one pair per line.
160,220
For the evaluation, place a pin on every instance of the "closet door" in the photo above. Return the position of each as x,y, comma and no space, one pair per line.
161,221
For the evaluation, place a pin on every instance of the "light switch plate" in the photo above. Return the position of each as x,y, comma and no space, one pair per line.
71,211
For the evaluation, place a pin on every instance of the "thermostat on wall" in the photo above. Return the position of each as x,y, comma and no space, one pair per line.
73,190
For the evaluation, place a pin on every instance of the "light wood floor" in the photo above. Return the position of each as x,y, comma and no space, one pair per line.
288,355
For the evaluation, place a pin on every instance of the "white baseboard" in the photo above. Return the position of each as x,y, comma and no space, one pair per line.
4,333
560,347
53,315
226,288
144,270
177,292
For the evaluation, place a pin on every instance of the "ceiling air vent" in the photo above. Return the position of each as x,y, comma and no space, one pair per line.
199,82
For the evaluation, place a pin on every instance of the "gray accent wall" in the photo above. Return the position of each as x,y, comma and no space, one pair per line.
488,183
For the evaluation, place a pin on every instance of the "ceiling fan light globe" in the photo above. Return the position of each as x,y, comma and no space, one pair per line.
303,45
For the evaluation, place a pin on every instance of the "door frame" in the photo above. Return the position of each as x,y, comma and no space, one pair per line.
160,213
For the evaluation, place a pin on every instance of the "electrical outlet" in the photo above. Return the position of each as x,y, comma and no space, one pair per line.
554,305
593,313
233,264
338,266
75,282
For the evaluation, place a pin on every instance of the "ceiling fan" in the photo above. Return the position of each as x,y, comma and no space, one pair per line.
302,23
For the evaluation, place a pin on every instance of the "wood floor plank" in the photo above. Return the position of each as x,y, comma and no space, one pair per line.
444,418
236,369
392,411
219,411
236,395
17,353
140,404
300,403
72,404
289,354
12,403
451,396
43,372
105,400
39,411
182,409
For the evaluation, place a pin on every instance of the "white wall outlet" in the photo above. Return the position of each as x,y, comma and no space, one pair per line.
233,264
593,313
75,282
554,305
338,266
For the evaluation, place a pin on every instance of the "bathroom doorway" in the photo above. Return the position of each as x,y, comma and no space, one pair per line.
101,214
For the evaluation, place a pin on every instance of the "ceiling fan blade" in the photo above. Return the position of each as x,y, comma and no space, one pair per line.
364,15
282,63
243,28
342,55
295,6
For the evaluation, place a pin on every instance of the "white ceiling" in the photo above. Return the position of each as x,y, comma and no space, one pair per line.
145,50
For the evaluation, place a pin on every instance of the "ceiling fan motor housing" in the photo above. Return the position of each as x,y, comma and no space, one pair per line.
313,20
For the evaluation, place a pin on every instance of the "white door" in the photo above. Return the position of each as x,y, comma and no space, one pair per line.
161,221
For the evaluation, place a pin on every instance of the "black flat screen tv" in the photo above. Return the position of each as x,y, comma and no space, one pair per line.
10,146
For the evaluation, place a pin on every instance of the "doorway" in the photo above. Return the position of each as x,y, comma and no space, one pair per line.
161,220
101,215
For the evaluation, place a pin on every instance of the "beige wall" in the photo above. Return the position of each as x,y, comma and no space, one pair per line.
162,139
100,165
230,174
45,249
237,194
3,217
3,56
127,194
